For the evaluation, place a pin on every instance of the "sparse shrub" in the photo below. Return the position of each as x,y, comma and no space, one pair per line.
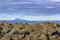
0,33
10,24
58,25
10,27
26,33
55,33
16,33
20,28
29,39
32,30
11,39
1,28
54,27
47,35
8,31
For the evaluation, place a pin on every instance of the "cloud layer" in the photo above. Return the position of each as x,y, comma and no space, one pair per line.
30,7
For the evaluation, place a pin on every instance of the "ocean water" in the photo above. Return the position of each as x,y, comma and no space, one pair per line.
30,22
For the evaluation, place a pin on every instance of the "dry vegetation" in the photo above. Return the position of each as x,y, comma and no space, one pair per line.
42,31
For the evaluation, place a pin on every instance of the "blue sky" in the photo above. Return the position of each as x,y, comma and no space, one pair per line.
30,9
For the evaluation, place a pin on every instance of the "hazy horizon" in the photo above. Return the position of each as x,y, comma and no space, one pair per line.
34,10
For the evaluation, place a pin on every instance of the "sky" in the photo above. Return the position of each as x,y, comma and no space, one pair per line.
38,10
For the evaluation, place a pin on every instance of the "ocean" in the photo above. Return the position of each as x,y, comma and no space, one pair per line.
31,22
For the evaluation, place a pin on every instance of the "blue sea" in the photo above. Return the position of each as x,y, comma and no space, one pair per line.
31,22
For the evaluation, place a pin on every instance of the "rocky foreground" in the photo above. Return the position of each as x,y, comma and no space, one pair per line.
42,31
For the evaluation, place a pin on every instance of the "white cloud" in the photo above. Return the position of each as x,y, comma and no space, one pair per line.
41,18
31,18
54,0
50,7
14,3
5,16
19,2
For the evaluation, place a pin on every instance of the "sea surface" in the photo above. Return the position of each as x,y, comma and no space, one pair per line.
31,22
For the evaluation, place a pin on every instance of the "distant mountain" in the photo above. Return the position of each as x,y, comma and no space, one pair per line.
17,19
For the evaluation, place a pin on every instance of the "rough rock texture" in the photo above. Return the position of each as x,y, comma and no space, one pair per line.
42,31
